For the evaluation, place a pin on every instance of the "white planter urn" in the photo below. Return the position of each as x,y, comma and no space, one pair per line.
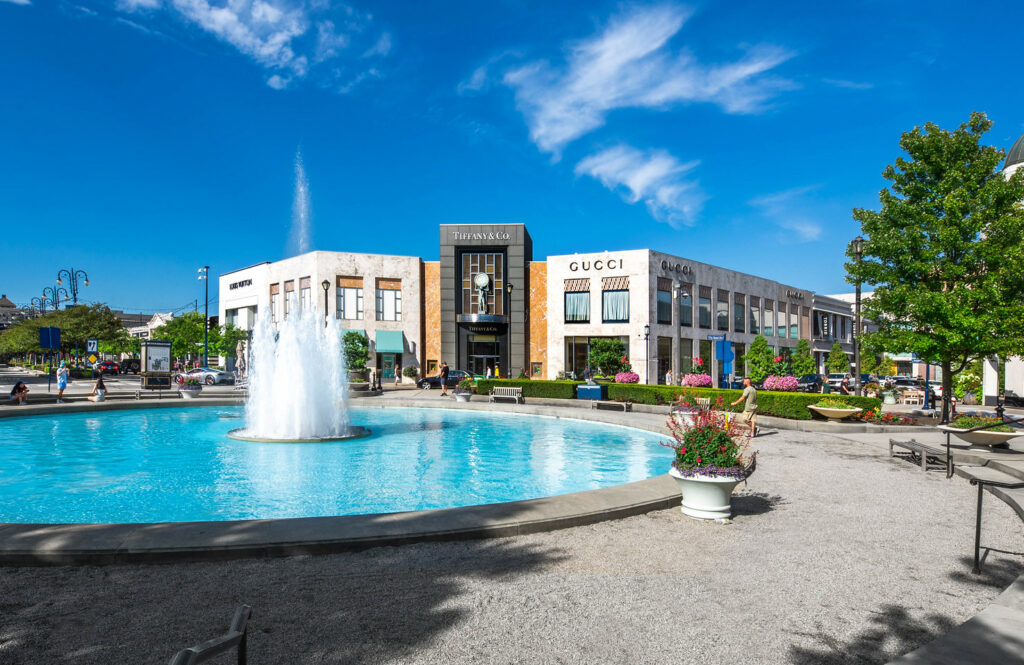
981,437
189,392
463,397
835,415
706,497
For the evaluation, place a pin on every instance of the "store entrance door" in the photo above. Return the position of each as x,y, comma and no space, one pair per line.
387,365
483,351
478,364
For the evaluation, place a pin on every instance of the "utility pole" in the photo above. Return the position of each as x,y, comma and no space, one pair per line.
204,275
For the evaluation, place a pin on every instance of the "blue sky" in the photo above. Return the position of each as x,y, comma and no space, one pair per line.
140,139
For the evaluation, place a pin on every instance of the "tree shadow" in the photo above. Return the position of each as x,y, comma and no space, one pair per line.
997,574
893,631
755,503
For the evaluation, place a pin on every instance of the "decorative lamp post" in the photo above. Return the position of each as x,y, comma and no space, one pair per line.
508,312
204,276
326,286
53,294
857,248
73,276
647,352
39,304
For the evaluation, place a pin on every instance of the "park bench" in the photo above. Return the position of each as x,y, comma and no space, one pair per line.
703,403
236,638
506,392
925,452
605,404
1005,486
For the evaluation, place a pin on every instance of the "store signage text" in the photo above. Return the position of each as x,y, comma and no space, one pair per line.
490,235
600,264
676,267
240,284
794,294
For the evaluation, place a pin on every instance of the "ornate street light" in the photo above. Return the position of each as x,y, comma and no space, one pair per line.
857,249
73,276
647,351
39,304
204,276
52,293
508,312
326,286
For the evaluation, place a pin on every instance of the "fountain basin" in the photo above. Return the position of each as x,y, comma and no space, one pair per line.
354,432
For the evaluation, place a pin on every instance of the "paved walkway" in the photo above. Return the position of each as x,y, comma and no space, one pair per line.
837,554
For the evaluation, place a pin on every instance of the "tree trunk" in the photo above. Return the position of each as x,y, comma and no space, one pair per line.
947,389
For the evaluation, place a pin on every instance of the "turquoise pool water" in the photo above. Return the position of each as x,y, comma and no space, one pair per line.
174,465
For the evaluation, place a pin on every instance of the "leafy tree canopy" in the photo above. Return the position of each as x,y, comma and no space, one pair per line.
759,359
356,349
837,360
944,251
606,354
802,362
185,333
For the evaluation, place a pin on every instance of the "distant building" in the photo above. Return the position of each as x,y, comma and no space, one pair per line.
11,314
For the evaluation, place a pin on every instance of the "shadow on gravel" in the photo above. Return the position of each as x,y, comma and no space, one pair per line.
893,632
755,503
378,606
997,574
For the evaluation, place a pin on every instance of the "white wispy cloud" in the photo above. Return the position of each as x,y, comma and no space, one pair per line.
290,39
18,2
849,85
629,65
791,211
654,177
480,78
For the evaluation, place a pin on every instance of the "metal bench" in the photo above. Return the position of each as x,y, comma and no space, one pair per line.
506,392
604,404
1003,486
704,403
236,637
925,452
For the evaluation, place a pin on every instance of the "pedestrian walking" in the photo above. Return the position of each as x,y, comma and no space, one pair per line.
750,407
668,378
444,379
62,381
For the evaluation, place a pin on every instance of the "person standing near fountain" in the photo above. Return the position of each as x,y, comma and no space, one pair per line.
62,381
444,379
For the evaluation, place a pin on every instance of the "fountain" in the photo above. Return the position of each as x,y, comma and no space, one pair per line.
296,370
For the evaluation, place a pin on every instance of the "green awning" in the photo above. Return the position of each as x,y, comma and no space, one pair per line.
390,341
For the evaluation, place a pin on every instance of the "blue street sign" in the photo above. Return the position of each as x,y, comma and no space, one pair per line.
49,338
723,351
716,338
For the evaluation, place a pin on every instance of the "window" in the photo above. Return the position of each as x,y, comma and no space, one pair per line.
389,304
350,303
738,364
686,305
794,321
704,307
577,307
304,293
493,265
289,296
769,318
431,367
686,355
755,315
615,306
738,315
615,299
664,300
705,356
537,370
722,310
275,295
231,317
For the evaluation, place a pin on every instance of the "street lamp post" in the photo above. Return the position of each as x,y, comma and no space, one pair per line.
647,352
39,304
508,312
54,295
857,246
326,286
204,276
73,276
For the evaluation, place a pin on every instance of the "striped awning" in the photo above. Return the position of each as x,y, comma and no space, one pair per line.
577,285
615,283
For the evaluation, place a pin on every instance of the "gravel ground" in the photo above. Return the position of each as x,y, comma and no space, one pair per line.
836,555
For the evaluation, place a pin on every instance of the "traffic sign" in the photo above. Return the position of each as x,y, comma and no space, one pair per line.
49,338
716,338
93,358
92,346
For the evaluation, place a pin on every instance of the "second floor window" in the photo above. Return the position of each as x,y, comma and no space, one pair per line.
350,303
664,306
686,305
389,305
738,315
577,307
615,306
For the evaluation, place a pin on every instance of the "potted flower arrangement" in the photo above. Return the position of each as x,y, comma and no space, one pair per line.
189,388
834,409
993,434
888,393
711,459
871,389
464,390
627,377
696,380
781,383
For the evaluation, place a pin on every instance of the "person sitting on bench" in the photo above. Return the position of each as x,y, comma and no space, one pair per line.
99,391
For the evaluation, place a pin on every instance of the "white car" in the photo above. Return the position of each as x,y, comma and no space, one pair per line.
207,375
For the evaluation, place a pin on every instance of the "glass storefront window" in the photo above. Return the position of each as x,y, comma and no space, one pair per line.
686,355
722,310
492,264
738,364
738,314
664,307
615,306
769,318
704,310
705,355
686,306
755,316
794,321
577,307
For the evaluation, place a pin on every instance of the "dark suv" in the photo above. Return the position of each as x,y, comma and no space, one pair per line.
454,376
131,365
809,383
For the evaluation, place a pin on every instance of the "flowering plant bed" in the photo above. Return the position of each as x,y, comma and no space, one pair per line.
970,422
781,383
709,443
697,380
465,387
627,377
833,403
879,418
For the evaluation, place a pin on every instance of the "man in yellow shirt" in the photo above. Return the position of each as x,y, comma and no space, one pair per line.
750,408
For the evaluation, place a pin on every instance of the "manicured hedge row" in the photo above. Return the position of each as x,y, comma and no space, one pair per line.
531,387
769,403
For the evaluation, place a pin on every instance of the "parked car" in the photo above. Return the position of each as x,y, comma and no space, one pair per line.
835,379
906,382
454,376
131,365
106,367
207,375
809,383
936,388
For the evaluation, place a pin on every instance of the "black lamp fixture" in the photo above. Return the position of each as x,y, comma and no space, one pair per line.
647,351
326,285
73,276
857,249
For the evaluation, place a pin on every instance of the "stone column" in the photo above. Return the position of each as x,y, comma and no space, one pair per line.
676,348
989,382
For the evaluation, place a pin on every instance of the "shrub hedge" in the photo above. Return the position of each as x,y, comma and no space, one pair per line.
531,387
769,403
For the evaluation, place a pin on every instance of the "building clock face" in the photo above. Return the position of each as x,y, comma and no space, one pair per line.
481,280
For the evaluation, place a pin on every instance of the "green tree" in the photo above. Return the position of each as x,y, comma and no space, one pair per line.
945,250
356,349
121,343
760,359
868,357
82,322
228,337
837,361
802,362
185,333
606,354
